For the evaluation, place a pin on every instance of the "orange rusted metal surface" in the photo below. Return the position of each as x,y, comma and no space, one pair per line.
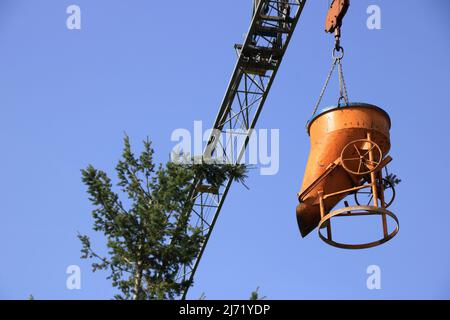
335,15
335,134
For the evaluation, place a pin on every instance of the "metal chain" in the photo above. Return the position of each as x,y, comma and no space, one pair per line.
324,88
342,86
337,60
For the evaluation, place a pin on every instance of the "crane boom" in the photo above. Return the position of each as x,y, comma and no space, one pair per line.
259,58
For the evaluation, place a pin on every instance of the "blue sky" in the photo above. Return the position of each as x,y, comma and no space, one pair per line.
149,67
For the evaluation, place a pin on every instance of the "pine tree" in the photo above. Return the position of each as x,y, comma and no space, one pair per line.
147,231
255,295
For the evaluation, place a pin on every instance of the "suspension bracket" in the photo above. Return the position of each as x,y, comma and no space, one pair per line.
335,16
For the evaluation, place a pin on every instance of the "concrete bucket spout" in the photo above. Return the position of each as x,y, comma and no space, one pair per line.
347,143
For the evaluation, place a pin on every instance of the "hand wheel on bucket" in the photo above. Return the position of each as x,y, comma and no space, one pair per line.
364,197
361,157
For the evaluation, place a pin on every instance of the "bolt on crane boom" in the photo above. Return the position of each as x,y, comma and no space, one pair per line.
259,58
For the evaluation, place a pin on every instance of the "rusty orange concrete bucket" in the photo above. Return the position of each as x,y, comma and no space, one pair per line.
330,131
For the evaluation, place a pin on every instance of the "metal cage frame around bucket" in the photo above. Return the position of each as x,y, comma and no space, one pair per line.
325,222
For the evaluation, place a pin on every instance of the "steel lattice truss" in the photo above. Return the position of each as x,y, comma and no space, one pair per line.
258,61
